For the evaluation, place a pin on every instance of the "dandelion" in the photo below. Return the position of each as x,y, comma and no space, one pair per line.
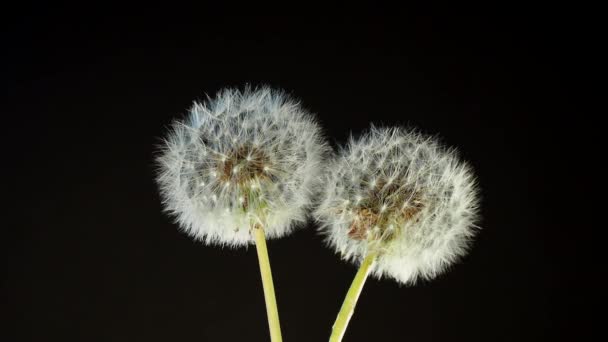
400,205
240,169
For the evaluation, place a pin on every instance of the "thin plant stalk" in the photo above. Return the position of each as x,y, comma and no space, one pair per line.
269,295
348,307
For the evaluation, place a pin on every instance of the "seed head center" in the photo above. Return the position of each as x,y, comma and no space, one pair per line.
384,206
243,166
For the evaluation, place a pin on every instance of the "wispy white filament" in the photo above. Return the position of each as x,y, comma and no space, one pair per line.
241,159
401,195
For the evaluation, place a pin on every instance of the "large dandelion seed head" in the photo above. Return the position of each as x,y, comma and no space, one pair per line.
242,159
401,195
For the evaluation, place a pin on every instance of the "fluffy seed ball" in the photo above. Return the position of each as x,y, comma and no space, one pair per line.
401,195
239,160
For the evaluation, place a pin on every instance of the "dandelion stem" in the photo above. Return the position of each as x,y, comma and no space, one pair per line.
269,296
348,307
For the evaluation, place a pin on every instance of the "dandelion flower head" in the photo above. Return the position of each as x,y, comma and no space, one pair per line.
241,159
402,196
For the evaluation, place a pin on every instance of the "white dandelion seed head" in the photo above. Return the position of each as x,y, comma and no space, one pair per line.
241,159
403,196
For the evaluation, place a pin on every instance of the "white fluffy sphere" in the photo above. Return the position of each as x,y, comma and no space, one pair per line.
401,195
242,159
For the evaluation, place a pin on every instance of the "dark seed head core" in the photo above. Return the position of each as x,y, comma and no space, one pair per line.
244,164
400,204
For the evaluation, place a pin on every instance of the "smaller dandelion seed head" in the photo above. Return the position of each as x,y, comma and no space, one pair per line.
255,153
410,200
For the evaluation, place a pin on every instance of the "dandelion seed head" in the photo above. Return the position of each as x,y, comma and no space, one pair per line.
402,195
256,153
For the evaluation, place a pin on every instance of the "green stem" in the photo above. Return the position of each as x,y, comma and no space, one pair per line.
269,295
348,307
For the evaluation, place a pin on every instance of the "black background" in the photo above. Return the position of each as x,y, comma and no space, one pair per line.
88,255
